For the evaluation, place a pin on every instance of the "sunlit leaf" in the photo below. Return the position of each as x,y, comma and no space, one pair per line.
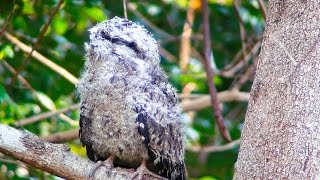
77,149
60,25
8,51
27,7
222,2
182,3
217,80
95,13
207,178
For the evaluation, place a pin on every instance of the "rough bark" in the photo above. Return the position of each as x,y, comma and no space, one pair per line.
55,158
281,135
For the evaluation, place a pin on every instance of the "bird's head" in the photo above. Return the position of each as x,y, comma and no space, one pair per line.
124,38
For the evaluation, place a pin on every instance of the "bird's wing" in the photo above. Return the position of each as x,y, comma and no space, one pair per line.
158,123
85,131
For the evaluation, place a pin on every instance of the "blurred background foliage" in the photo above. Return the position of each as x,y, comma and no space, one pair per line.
39,89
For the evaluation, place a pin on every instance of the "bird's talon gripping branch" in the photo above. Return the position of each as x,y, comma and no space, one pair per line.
143,170
107,163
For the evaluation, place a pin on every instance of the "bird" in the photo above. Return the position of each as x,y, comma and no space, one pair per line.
129,112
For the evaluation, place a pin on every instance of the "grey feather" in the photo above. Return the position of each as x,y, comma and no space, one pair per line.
128,108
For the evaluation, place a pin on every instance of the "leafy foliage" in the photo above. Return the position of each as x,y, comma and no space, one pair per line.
62,43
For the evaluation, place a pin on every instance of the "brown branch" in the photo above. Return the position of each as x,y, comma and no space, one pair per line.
244,77
185,38
236,4
45,115
132,8
46,25
263,8
62,136
166,54
8,19
207,55
42,58
54,158
34,92
205,101
20,78
39,38
210,149
230,71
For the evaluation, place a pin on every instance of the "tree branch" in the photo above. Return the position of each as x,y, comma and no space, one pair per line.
210,149
54,158
207,55
61,137
38,40
35,54
205,101
45,115
263,9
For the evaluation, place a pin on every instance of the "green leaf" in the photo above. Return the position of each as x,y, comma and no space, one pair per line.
8,51
207,178
217,81
60,25
95,13
3,94
27,7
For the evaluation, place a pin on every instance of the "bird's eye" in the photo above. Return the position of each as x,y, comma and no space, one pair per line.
105,35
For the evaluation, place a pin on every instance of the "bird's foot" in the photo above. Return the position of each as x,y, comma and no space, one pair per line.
107,163
142,170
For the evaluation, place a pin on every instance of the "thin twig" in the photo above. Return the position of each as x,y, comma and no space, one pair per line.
232,69
263,9
244,77
8,19
211,149
45,115
34,92
132,8
236,4
62,137
124,3
38,40
185,39
20,78
166,54
205,101
191,96
42,58
207,55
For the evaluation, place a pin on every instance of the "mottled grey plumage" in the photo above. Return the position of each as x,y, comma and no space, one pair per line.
128,108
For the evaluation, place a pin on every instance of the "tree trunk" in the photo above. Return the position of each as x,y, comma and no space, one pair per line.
281,135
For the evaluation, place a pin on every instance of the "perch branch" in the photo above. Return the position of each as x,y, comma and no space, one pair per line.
53,158
207,55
